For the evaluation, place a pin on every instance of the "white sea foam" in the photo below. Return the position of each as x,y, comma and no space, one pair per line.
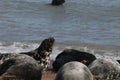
16,47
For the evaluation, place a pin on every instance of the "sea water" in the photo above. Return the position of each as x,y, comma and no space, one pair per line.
86,25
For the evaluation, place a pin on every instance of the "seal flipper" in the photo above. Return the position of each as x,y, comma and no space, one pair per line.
6,65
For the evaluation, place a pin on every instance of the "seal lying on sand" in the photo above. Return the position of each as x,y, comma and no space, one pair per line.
41,54
22,66
58,2
72,55
74,71
105,69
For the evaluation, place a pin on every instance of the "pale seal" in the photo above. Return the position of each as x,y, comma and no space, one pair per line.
105,69
74,71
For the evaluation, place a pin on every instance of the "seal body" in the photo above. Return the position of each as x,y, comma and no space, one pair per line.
57,2
105,69
22,66
74,71
72,55
41,54
27,65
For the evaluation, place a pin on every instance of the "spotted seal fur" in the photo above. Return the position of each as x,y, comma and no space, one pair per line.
74,71
105,69
72,55
41,54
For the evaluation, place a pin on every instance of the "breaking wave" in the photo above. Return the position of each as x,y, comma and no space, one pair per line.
99,51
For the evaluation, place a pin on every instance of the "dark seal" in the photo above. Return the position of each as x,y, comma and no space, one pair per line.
23,67
72,55
57,2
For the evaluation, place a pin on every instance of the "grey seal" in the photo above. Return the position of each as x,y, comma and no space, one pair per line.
74,71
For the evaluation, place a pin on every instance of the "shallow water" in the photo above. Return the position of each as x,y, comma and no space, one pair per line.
89,25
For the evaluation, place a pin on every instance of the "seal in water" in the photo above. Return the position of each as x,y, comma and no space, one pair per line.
105,69
22,66
72,55
57,2
74,71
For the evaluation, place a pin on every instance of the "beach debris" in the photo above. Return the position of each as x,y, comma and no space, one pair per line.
72,55
74,71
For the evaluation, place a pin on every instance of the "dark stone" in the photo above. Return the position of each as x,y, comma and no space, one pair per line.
22,66
72,55
58,2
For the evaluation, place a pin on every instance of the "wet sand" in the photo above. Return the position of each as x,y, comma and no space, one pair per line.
48,75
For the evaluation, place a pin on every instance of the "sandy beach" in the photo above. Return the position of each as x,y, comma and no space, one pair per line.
48,75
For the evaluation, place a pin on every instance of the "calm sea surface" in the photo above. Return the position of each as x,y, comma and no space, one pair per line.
89,25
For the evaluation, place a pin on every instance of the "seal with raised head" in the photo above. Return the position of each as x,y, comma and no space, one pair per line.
72,55
74,71
41,54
